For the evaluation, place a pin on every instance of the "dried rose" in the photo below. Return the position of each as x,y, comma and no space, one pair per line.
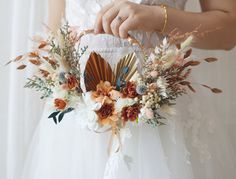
130,112
130,90
152,87
154,74
72,82
60,104
103,89
106,114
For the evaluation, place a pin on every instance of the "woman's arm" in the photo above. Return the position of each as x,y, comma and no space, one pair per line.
56,11
218,17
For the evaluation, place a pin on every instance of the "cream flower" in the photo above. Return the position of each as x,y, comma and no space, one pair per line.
187,42
168,59
85,112
149,113
59,92
162,85
122,102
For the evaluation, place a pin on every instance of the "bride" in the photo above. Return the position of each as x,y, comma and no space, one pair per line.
193,146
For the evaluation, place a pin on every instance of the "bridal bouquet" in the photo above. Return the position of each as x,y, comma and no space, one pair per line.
110,97
58,72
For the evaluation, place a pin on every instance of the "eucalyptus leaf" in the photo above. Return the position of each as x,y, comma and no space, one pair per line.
68,110
54,114
61,117
55,119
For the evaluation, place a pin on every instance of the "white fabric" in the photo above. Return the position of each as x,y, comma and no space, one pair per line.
64,151
20,109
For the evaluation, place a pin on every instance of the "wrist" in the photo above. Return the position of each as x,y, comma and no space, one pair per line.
160,18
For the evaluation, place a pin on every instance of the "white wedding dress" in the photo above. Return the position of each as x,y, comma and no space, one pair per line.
193,146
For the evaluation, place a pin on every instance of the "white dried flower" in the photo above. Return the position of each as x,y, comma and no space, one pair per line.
187,42
162,85
152,57
157,50
149,113
165,44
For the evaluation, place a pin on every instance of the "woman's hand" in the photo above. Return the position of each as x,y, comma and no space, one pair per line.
218,18
120,17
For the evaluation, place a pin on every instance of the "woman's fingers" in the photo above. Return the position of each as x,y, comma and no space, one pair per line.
116,18
116,23
128,25
108,18
98,27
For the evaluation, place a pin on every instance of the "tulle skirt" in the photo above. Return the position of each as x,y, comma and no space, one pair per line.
183,149
193,145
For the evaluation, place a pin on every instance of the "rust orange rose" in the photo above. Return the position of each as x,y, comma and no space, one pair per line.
72,82
104,88
130,90
107,114
60,104
130,112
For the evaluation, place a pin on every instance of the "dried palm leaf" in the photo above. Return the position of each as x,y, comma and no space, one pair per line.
97,69
125,69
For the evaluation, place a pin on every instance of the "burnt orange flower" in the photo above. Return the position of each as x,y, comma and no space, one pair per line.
60,104
130,112
72,82
103,90
153,87
130,90
106,114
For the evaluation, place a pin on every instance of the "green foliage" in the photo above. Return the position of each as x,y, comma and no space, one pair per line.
40,84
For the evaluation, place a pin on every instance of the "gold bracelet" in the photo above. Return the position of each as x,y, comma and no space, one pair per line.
166,18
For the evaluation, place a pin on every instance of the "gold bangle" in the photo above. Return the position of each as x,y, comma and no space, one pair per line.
166,18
